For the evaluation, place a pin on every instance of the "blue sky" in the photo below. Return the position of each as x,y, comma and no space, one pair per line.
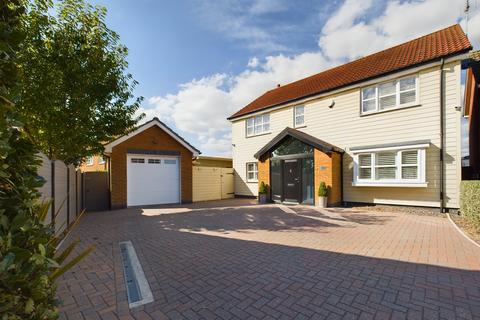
197,62
173,42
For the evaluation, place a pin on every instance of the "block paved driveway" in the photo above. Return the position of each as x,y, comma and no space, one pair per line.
235,260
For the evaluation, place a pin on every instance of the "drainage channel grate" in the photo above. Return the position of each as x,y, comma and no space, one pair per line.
138,290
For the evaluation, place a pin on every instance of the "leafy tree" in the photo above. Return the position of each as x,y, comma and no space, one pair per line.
29,263
75,91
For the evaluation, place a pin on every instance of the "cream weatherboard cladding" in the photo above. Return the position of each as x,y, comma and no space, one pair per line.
344,127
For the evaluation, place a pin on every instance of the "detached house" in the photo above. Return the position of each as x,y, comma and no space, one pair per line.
385,128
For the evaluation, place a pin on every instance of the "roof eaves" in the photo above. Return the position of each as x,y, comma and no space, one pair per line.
234,116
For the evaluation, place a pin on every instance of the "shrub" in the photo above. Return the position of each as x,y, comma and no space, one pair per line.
470,201
263,189
29,264
322,190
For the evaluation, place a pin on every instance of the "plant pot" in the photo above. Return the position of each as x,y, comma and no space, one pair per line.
262,198
322,202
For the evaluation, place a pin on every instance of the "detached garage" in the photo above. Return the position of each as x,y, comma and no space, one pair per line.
151,165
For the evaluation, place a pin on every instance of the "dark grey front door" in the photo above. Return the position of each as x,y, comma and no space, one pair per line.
291,180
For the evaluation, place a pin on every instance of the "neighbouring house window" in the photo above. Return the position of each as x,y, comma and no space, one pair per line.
299,116
258,125
397,166
252,172
89,161
138,160
101,160
390,95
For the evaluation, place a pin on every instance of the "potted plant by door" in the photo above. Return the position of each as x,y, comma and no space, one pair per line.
322,195
262,193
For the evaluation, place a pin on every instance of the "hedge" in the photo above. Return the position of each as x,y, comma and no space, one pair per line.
470,201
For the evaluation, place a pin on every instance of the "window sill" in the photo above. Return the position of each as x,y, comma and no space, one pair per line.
257,135
391,184
252,181
300,127
363,114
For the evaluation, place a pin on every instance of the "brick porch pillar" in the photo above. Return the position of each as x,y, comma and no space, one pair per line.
264,172
327,168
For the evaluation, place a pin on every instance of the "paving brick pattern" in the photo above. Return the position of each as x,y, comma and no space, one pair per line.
226,260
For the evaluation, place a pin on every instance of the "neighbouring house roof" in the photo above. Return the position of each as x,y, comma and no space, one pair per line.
440,44
299,135
154,122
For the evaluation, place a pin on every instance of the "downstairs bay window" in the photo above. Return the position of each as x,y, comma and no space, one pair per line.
390,168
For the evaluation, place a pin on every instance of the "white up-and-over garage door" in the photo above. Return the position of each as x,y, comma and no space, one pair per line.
152,179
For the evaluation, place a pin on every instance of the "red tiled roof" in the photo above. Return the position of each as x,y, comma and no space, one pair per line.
442,43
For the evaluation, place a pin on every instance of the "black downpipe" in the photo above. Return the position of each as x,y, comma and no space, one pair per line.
442,133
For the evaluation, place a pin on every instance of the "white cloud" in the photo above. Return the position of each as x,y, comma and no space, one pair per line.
253,62
231,19
201,107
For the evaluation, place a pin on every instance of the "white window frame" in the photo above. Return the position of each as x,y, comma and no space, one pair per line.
254,171
257,122
295,116
397,96
398,181
101,160
89,161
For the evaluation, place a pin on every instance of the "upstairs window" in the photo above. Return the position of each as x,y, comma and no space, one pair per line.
299,116
101,160
258,125
89,161
390,95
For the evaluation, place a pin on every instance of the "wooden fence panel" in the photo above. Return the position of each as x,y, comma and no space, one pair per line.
67,188
228,191
44,171
60,196
210,183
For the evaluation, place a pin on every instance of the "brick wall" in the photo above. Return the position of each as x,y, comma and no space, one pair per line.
152,138
264,173
328,169
96,166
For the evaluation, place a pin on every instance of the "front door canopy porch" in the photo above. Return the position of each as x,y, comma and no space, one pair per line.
301,136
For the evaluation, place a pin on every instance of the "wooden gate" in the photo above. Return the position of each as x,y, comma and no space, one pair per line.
96,194
211,183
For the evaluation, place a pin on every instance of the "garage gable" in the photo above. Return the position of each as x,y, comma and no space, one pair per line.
155,122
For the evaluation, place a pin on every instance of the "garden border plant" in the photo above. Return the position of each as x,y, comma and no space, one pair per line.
29,260
470,201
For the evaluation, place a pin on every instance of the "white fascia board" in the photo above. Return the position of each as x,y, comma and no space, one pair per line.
109,146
